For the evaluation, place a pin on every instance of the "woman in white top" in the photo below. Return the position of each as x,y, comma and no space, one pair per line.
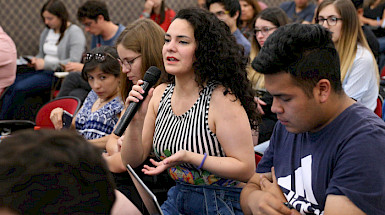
359,72
60,42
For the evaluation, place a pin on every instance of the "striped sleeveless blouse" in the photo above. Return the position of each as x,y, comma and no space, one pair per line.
189,131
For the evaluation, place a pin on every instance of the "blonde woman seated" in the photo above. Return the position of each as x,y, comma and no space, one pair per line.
101,109
359,71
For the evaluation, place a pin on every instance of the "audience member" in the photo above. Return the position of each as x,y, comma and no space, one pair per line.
94,15
52,172
139,47
201,118
249,11
229,11
369,35
326,152
374,16
60,42
266,23
8,56
301,11
359,72
101,109
158,11
202,4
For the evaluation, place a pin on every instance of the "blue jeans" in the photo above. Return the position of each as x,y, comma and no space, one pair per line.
190,199
26,84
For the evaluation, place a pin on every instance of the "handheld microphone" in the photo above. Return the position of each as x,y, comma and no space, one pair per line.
151,76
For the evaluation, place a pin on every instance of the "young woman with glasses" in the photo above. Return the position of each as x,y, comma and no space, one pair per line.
139,47
266,23
359,71
101,109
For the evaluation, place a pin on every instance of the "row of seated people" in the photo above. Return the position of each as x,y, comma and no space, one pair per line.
128,65
198,123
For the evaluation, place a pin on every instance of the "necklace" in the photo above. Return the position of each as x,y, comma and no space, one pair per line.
99,103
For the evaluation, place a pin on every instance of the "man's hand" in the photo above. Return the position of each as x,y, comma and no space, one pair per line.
258,200
272,187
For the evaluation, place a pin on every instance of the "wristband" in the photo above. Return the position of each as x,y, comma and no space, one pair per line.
203,161
145,14
383,24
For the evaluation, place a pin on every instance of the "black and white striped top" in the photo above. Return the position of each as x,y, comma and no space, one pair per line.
189,131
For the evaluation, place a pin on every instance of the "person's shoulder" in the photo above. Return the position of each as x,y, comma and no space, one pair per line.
170,11
311,7
363,54
74,27
121,27
286,5
362,118
221,95
158,91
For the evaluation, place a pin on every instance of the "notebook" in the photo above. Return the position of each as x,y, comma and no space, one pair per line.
148,198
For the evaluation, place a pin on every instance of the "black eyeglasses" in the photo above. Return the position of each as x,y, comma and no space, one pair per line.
332,20
263,30
128,63
99,57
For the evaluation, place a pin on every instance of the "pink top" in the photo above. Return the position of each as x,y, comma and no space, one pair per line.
8,56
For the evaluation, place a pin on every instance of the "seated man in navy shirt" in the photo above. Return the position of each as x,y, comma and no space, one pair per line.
326,154
301,11
229,11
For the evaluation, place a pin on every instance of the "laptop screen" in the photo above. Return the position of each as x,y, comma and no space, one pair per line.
148,198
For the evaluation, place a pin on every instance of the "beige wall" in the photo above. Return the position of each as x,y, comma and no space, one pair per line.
21,18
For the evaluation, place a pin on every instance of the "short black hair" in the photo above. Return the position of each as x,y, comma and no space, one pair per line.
306,52
110,65
92,9
230,5
54,172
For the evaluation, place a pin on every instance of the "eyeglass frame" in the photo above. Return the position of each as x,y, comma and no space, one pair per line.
330,18
99,57
128,63
264,30
221,13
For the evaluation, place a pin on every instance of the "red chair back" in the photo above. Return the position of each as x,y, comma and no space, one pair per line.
69,103
378,109
258,158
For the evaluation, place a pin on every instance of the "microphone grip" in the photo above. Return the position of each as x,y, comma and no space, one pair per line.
130,112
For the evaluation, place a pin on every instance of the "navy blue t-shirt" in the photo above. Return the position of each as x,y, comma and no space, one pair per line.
347,157
97,40
306,14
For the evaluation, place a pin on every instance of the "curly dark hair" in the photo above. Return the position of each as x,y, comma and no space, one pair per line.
54,172
220,59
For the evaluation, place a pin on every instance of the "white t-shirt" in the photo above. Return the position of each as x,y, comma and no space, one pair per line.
50,47
360,82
